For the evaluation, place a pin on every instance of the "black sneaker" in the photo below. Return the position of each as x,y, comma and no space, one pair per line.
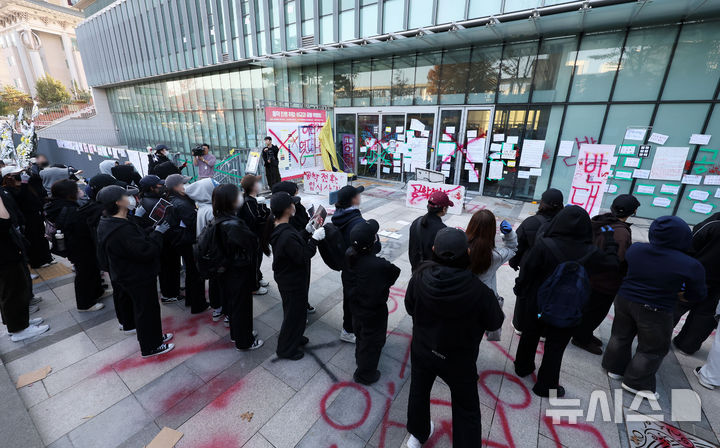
164,348
167,337
257,343
304,340
367,381
588,347
546,393
169,299
310,309
595,340
294,357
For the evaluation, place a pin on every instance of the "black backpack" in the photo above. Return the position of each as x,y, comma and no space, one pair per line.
209,251
332,248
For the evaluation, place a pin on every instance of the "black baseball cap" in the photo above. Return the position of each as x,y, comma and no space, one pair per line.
450,244
553,197
280,201
150,180
160,147
624,205
111,194
346,194
289,187
363,234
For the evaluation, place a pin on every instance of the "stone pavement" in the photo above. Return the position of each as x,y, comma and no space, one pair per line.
100,393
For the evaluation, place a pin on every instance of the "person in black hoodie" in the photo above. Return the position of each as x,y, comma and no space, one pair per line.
568,238
700,321
659,274
451,309
369,302
292,252
183,221
271,160
551,203
237,280
132,256
62,210
255,214
160,157
347,215
424,229
126,173
605,284
151,191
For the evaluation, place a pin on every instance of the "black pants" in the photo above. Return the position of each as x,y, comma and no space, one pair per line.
347,312
294,304
272,174
461,377
169,271
556,340
34,231
594,313
14,296
700,321
146,310
236,286
194,285
653,329
88,283
517,313
215,293
371,331
123,307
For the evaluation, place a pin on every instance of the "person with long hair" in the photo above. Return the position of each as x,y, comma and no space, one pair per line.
425,227
254,212
373,278
238,277
451,309
485,258
292,251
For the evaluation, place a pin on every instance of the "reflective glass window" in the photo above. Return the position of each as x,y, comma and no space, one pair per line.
553,69
427,74
595,67
381,81
484,69
482,8
419,14
361,83
516,72
452,84
643,64
393,15
403,80
695,66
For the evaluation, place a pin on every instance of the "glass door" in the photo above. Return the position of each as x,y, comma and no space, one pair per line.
368,145
419,127
472,159
345,146
393,129
447,143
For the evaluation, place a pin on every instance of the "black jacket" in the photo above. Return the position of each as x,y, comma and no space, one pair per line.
345,219
154,160
451,310
526,233
571,232
706,247
422,238
127,251
292,251
240,244
90,213
164,169
148,202
182,220
270,155
254,214
126,173
608,281
79,241
301,218
371,278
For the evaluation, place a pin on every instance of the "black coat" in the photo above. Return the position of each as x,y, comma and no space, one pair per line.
182,220
526,233
79,241
240,244
706,247
422,237
270,155
148,201
292,252
301,218
126,173
154,160
370,278
254,215
451,310
127,251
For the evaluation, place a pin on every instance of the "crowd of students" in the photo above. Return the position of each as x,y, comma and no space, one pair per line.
144,232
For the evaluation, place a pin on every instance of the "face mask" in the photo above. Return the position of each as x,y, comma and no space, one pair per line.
131,203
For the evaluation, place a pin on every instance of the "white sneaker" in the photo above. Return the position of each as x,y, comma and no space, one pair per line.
217,314
641,393
35,300
39,320
133,331
167,337
49,263
413,442
701,380
32,309
261,291
29,332
264,283
614,376
97,307
33,276
347,337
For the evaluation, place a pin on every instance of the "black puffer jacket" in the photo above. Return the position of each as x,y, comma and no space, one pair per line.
422,238
240,245
527,232
292,252
254,214
608,281
706,248
376,275
127,251
79,240
182,219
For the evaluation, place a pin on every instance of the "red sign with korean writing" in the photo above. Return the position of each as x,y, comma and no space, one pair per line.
291,115
591,175
323,182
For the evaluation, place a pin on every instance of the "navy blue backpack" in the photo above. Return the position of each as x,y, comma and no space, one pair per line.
562,296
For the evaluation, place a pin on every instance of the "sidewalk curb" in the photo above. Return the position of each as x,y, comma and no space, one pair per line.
17,429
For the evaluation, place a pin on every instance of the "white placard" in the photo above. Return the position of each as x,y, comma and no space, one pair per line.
658,139
669,163
626,150
399,129
623,174
590,177
495,147
508,151
717,193
475,150
669,189
495,170
473,176
646,189
450,129
641,174
566,148
532,153
498,137
513,140
712,179
701,207
418,193
323,182
700,139
471,133
524,174
446,148
468,166
635,134
699,195
661,201
425,133
536,171
610,188
632,162
386,170
416,125
691,179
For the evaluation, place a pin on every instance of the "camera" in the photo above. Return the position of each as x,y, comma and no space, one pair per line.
198,151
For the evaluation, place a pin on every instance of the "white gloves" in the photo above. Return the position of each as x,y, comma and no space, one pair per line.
319,234
261,200
310,228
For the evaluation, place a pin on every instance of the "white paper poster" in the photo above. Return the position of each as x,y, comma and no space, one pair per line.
646,189
700,139
691,179
623,174
536,171
523,174
658,139
701,207
641,174
416,125
495,171
532,153
699,195
635,134
475,150
473,176
446,148
471,133
508,151
669,189
632,162
591,174
498,137
661,201
712,179
495,147
717,193
512,140
418,193
297,133
626,150
669,163
566,148
323,182
610,188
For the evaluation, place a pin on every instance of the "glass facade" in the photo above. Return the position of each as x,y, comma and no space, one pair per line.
586,89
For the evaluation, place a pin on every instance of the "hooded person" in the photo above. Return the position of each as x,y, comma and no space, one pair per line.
131,256
126,173
292,251
369,302
424,228
659,273
301,218
701,318
605,284
106,166
151,191
568,238
347,215
451,310
255,214
53,174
